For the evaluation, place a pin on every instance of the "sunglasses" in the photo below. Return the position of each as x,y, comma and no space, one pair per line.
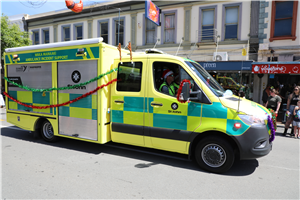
171,75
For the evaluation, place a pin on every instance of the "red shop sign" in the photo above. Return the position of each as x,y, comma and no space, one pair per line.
276,68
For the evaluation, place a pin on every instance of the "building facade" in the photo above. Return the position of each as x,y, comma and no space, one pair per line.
278,55
204,31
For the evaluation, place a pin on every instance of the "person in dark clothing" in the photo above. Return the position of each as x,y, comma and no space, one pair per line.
273,101
291,104
296,122
266,94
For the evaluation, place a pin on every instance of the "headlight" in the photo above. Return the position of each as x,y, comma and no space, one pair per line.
254,120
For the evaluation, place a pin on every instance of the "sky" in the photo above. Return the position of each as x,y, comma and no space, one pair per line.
32,7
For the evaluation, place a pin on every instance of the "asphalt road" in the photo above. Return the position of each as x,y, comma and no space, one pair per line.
69,169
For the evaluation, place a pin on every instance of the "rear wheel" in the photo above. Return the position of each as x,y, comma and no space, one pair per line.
214,154
47,132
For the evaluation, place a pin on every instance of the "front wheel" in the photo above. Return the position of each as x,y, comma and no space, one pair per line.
214,154
47,132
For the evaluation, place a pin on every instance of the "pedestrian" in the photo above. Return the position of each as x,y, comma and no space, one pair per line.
290,106
266,94
296,121
273,101
2,103
246,90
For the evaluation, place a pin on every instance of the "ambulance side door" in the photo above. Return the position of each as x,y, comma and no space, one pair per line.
128,103
166,118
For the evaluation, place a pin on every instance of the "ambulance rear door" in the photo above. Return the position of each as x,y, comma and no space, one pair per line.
79,118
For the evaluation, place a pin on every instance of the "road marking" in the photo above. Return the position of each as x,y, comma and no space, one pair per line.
12,127
279,167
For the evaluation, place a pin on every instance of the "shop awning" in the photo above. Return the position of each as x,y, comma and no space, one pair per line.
227,65
276,67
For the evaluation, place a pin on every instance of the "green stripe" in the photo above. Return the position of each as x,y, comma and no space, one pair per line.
37,97
94,114
44,56
148,106
8,59
134,104
216,110
82,103
194,109
170,121
21,107
117,116
64,111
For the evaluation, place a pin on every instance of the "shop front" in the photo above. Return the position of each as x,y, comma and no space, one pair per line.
283,76
232,75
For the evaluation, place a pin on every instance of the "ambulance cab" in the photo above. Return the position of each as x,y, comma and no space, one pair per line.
212,126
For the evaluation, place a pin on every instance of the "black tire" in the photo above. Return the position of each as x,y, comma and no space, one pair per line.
214,154
47,132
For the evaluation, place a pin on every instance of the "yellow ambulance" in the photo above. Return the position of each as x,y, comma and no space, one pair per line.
91,91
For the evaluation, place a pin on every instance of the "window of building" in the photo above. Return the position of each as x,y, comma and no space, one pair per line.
130,77
208,28
36,37
232,17
169,28
78,31
150,32
104,31
231,22
66,35
274,59
118,27
283,20
45,37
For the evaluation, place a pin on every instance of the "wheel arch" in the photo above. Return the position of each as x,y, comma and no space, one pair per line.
199,136
38,124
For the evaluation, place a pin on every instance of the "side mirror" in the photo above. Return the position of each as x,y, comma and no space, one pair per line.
185,92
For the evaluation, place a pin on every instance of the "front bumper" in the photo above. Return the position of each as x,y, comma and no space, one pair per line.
254,143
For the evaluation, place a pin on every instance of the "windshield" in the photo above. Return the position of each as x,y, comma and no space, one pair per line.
213,85
231,82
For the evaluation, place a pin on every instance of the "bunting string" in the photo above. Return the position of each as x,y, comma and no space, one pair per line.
60,88
62,104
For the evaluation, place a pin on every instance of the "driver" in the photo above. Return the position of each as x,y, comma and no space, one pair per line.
168,86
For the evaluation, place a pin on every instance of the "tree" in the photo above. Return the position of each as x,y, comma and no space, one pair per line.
12,36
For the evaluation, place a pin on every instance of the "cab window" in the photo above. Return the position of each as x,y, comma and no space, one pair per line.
185,75
129,77
160,72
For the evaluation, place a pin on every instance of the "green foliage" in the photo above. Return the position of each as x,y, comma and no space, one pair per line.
12,36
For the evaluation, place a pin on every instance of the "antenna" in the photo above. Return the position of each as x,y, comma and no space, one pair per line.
244,53
217,45
119,26
126,45
179,45
156,43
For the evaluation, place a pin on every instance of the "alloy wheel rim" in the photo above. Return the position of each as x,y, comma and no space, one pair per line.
213,155
48,130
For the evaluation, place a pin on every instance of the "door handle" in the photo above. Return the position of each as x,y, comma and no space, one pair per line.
118,101
156,104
